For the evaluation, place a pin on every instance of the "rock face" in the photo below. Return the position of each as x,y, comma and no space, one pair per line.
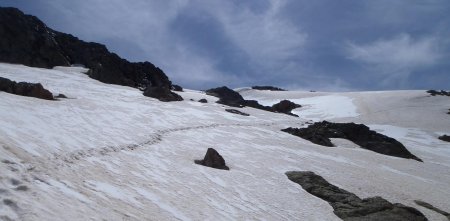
234,111
321,132
234,99
267,88
213,159
348,206
285,106
442,93
445,138
25,89
26,40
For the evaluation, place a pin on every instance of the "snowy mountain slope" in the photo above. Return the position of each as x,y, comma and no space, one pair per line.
110,153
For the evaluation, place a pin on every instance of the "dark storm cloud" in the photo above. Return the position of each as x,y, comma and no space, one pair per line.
321,45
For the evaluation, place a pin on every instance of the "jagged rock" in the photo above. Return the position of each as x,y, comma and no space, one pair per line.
267,88
348,206
162,94
25,89
213,159
177,88
234,111
227,96
442,93
26,40
285,106
203,100
445,138
321,132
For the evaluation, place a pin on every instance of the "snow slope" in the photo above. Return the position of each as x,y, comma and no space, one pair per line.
109,153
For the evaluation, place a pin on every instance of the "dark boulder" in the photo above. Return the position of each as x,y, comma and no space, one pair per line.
177,88
60,96
234,111
441,93
445,138
226,96
348,206
25,89
321,132
203,100
267,88
285,106
213,159
162,94
24,39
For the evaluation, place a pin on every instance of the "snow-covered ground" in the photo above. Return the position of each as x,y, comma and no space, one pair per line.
109,153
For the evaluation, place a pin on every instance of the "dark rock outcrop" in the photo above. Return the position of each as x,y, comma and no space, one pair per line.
227,96
348,206
60,96
24,39
285,106
234,99
177,88
162,93
445,138
321,132
203,100
234,111
435,92
213,159
25,89
267,88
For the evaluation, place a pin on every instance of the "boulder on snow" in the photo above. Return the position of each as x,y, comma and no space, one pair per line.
435,92
445,138
25,89
321,132
203,100
285,106
234,111
60,96
348,206
226,96
213,159
162,94
267,88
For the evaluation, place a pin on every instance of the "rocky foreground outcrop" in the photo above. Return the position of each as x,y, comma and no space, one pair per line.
25,89
348,206
321,132
213,159
24,39
232,98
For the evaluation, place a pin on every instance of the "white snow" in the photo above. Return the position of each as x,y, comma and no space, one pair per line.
109,153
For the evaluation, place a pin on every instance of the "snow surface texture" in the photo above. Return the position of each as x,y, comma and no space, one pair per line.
109,153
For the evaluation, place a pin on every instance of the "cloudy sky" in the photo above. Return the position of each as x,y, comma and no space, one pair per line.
333,45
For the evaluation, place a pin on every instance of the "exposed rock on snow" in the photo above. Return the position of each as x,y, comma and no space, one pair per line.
60,96
348,206
234,111
25,89
431,207
203,100
267,88
213,159
321,132
445,138
177,87
442,93
285,106
27,40
162,94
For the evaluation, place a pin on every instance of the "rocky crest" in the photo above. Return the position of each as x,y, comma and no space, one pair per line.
26,40
321,132
348,206
25,89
